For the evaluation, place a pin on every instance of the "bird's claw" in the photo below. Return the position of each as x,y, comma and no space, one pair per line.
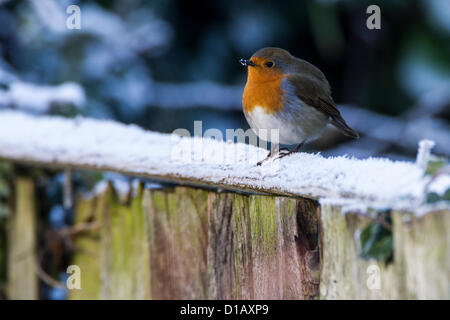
282,152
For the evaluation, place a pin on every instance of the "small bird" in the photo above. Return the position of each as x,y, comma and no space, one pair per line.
289,94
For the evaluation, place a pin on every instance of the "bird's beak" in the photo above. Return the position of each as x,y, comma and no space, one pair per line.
245,62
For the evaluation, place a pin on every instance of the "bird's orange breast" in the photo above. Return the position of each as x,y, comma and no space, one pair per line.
266,94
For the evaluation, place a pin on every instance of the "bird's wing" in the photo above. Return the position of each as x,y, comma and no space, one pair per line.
316,93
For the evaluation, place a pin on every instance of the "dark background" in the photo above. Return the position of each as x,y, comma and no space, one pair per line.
164,64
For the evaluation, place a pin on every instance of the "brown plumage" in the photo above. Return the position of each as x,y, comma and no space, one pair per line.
315,95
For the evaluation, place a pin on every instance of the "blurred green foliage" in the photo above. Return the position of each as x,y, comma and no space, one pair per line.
435,164
376,240
436,167
433,197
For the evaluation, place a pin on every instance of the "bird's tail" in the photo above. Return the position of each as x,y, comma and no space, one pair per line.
340,123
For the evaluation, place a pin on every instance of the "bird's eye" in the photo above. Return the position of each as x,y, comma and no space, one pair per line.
269,64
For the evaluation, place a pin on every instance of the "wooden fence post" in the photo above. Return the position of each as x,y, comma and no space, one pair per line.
421,259
22,258
422,252
87,249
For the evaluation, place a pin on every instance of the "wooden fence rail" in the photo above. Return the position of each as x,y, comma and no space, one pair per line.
292,233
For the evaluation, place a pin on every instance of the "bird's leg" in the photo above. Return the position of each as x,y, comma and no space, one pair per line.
276,150
296,149
268,156
283,150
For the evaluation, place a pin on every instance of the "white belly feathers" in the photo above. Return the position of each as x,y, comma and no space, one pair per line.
294,124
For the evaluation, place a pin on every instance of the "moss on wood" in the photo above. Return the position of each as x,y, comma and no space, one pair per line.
22,255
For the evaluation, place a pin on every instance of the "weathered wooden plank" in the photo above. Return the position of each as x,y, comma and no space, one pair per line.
178,243
420,268
307,244
220,246
22,255
141,243
87,249
264,242
264,237
422,252
243,282
284,247
124,248
345,275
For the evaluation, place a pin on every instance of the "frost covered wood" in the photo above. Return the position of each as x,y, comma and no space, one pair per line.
106,145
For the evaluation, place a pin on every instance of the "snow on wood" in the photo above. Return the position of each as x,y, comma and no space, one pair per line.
110,146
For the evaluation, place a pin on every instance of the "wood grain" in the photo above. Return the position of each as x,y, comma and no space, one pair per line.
22,243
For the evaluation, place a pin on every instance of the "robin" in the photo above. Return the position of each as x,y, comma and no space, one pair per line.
289,94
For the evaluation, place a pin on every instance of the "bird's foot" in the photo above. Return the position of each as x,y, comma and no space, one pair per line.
265,159
281,153
296,149
284,154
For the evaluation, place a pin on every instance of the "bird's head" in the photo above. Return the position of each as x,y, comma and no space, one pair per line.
267,64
